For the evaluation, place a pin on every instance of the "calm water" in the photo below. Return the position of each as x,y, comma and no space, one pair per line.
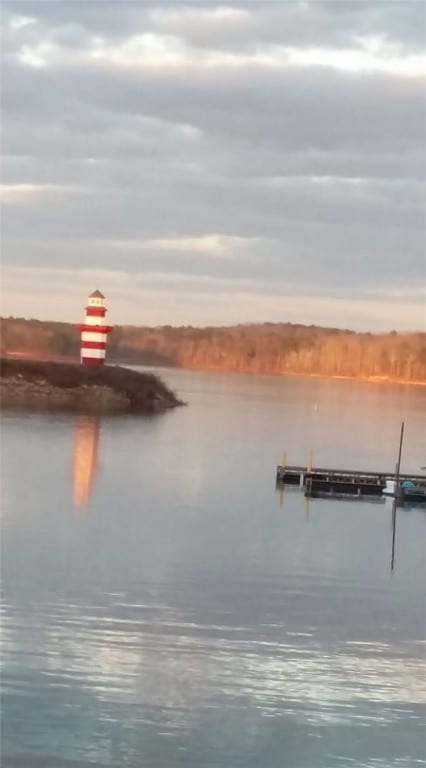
163,606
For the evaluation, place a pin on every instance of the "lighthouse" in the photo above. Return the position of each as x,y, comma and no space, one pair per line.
94,331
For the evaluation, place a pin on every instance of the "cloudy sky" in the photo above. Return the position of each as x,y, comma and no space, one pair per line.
207,163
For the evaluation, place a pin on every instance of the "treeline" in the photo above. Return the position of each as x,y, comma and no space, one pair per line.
257,348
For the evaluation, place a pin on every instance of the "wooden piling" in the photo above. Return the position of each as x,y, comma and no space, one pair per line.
397,493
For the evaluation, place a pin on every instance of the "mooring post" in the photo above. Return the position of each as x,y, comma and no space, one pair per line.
398,464
393,531
284,459
396,494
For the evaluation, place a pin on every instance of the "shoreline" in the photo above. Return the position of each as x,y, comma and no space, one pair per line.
374,379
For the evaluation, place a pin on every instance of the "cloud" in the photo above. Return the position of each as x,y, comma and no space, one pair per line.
174,299
248,145
23,194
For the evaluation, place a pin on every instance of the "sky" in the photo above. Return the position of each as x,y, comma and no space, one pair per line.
209,163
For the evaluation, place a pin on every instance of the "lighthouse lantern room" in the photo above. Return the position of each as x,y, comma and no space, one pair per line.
94,331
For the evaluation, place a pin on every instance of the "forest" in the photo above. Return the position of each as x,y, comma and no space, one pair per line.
275,348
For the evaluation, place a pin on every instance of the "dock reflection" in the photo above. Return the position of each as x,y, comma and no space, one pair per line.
85,459
281,491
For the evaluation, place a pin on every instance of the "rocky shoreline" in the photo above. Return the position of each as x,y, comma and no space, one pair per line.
48,385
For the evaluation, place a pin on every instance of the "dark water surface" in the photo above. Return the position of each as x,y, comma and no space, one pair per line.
163,606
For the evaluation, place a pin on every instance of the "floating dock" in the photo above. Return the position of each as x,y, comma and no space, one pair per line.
338,483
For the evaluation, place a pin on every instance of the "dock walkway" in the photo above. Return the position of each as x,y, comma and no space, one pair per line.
322,481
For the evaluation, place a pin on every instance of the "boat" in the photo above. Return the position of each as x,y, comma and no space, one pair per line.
412,493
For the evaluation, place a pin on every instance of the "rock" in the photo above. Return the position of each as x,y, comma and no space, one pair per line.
35,385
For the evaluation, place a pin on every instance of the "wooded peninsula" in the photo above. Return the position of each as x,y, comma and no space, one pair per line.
272,348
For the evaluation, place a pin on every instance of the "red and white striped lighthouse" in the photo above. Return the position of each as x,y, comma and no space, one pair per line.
94,331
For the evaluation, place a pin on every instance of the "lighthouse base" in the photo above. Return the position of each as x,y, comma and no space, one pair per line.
92,360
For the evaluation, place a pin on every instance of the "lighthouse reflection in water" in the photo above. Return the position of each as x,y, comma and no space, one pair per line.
85,459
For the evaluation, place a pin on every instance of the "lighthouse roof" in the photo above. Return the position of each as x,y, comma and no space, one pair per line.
96,295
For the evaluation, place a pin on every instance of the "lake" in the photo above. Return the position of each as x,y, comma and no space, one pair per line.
164,606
